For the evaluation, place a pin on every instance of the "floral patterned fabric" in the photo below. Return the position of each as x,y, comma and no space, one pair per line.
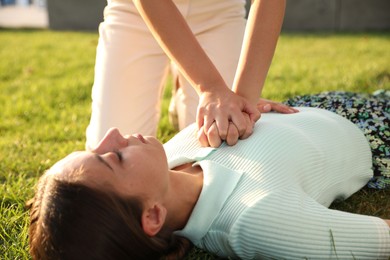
371,113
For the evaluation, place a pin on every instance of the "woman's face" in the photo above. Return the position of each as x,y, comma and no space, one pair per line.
133,165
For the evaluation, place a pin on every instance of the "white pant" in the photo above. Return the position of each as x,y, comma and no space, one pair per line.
131,68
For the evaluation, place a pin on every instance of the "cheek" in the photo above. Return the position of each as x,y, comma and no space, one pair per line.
152,158
146,164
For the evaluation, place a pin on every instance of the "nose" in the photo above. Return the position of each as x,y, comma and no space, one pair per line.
113,140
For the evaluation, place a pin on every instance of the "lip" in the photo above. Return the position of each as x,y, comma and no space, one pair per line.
140,137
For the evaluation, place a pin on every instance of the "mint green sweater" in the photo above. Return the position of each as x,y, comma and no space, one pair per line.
267,196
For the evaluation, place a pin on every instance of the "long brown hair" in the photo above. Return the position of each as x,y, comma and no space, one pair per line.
73,221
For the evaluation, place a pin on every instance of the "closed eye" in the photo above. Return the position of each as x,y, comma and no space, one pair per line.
119,154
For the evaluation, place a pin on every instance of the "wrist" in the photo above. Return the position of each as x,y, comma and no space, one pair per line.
252,97
212,87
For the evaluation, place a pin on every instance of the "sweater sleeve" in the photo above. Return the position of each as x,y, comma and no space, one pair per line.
291,225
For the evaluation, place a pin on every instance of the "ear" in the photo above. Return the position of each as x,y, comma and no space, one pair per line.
153,219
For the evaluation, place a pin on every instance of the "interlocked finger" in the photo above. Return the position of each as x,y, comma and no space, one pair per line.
213,136
233,135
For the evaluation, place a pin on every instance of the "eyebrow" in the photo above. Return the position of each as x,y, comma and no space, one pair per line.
99,158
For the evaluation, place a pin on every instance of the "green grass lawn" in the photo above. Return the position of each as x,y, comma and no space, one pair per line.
45,86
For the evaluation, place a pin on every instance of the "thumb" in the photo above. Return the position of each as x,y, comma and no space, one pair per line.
265,108
253,112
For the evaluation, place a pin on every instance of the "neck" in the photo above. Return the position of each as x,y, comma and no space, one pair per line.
185,187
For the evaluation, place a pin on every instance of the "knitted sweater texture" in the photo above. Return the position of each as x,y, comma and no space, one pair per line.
267,196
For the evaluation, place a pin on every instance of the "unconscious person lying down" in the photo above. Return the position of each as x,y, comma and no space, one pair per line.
265,197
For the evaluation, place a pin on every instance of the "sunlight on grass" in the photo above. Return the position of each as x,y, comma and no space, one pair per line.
45,87
312,63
